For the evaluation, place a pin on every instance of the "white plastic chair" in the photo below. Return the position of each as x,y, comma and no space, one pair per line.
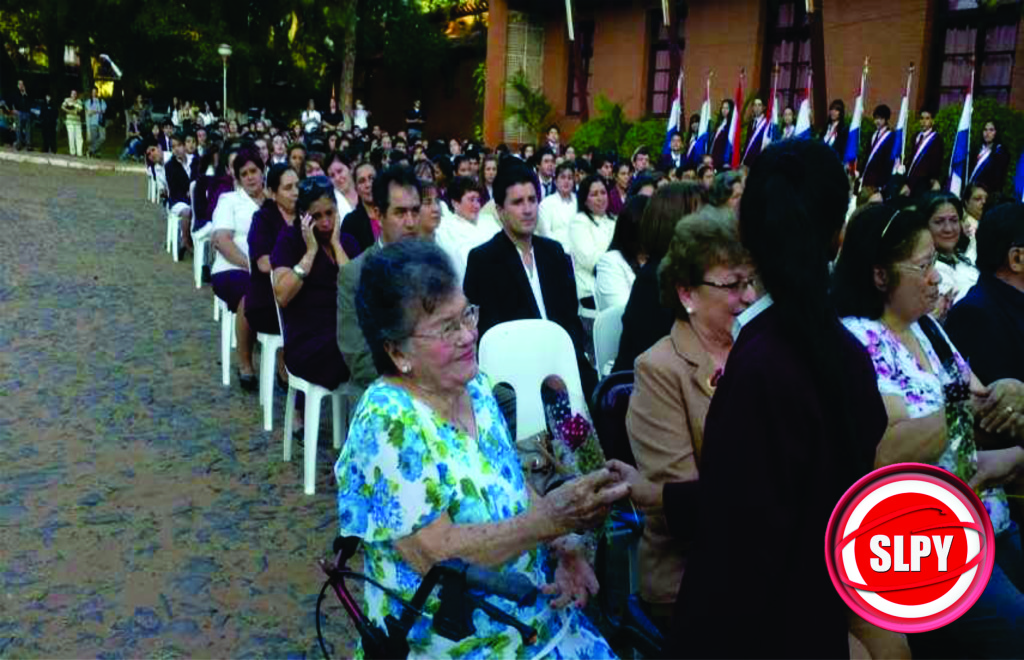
269,345
227,339
173,229
216,309
151,194
607,332
524,353
314,395
200,241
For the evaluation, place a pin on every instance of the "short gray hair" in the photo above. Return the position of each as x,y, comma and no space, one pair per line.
397,286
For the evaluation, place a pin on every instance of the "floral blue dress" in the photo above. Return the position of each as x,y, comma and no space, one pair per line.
923,393
402,467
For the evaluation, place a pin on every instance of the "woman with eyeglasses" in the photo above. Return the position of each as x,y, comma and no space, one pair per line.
430,472
305,263
885,284
945,222
707,280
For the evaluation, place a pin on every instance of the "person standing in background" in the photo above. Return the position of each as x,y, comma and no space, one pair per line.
50,117
72,108
414,121
23,106
95,108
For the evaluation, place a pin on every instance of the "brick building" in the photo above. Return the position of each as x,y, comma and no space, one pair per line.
625,52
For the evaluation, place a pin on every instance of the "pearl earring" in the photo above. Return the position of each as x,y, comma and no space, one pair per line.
406,368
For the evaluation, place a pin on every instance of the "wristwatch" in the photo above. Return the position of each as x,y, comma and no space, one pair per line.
299,271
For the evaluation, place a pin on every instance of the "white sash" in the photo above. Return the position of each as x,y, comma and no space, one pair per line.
878,144
758,135
830,136
921,147
982,160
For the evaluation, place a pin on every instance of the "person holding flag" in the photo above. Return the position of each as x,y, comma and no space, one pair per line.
878,168
991,162
759,129
926,163
774,131
699,136
837,131
958,163
692,158
721,152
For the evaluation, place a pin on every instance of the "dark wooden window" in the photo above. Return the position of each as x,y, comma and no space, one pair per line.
967,35
585,36
660,84
788,46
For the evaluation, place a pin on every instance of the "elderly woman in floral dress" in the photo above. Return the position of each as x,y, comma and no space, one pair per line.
429,471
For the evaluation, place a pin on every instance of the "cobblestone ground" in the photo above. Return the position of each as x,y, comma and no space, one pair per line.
143,511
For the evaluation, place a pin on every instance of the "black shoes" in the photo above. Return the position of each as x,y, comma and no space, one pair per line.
248,382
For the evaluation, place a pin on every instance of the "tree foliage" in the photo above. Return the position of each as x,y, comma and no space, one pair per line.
533,111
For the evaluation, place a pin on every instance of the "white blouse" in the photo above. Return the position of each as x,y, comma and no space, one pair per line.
588,240
614,280
960,278
233,213
554,217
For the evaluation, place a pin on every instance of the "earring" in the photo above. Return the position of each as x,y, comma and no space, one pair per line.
689,310
406,368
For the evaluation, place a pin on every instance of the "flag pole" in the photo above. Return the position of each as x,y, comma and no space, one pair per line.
903,147
568,20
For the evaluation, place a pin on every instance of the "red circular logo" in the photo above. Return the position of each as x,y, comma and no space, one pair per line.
910,547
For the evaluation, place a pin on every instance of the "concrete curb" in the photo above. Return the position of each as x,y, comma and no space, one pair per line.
70,162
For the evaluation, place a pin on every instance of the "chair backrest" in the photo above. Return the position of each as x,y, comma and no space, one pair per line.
599,303
607,332
524,353
609,407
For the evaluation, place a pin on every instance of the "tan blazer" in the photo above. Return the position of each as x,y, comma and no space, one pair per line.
665,422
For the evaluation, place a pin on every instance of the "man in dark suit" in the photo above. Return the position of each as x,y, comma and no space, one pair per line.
179,180
878,167
517,275
675,158
755,139
927,162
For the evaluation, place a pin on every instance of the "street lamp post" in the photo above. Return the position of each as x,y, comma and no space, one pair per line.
224,51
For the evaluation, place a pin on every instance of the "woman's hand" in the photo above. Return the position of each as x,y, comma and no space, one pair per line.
1001,411
644,493
583,502
575,581
307,234
997,467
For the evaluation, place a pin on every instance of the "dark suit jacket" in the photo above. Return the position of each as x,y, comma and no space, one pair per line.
645,321
771,467
357,225
878,170
719,140
842,135
752,151
351,342
993,174
931,166
987,328
666,164
177,182
496,281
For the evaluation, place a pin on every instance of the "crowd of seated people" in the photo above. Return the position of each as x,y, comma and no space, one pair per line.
389,258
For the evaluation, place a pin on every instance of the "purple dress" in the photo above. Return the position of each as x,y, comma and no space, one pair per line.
311,317
267,223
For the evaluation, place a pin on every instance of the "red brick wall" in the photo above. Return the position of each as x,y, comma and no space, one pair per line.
722,36
892,34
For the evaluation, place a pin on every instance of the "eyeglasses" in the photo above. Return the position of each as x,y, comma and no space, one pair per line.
449,332
312,183
921,269
737,287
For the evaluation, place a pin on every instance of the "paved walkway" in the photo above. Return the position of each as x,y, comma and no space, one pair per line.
143,511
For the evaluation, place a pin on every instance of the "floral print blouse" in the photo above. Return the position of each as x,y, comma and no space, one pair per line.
402,467
899,374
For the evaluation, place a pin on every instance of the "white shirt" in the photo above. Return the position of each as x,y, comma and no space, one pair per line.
533,277
588,240
233,213
614,280
310,117
554,215
206,119
749,314
360,117
457,236
959,278
344,207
